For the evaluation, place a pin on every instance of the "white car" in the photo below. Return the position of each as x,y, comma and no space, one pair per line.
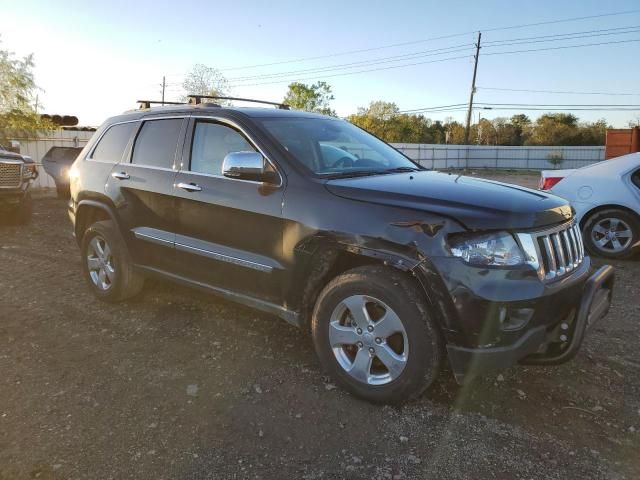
606,197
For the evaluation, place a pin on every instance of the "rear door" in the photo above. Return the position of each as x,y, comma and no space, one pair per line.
143,187
228,231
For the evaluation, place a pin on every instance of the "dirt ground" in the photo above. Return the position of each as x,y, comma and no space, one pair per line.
180,385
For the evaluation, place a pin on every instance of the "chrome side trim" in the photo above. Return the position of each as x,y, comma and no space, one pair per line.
147,167
153,235
224,258
168,239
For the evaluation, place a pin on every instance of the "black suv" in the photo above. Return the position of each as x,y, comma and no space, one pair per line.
391,267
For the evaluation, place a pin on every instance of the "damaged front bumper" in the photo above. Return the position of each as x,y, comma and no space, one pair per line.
542,344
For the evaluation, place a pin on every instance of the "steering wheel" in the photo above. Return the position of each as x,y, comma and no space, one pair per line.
344,161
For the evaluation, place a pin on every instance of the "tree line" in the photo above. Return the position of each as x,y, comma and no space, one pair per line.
385,120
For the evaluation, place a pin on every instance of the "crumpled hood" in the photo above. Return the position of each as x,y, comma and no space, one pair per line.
476,203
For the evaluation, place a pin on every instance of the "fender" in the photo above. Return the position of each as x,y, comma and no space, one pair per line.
323,256
91,203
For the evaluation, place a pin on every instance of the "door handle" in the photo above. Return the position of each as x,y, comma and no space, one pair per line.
190,187
121,175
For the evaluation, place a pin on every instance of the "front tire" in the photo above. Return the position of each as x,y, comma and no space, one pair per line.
376,336
106,264
611,233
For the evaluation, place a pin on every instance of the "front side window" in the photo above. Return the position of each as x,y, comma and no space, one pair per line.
156,143
211,143
111,146
331,147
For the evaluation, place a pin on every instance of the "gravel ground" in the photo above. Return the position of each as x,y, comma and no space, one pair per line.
179,385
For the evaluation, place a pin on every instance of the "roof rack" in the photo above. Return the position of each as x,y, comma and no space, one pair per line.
147,103
197,99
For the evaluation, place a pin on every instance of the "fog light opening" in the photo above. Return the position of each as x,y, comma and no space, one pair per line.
515,318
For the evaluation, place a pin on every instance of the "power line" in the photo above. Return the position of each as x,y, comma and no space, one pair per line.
523,106
566,109
503,43
439,60
442,37
613,30
353,73
563,47
431,108
398,58
395,58
564,92
557,105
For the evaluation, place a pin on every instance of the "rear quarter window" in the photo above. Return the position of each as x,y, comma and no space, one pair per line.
635,178
111,146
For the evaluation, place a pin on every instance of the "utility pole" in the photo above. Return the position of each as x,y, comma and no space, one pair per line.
473,90
164,85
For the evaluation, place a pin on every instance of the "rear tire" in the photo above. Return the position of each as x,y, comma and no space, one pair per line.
611,233
106,264
391,350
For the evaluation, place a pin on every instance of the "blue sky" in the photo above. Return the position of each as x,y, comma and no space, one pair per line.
94,59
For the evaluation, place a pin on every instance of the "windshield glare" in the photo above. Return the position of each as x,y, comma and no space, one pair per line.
335,147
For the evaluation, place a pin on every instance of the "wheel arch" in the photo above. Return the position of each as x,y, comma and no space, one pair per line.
89,212
609,206
317,265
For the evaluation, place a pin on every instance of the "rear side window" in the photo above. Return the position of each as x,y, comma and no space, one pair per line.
156,143
112,144
211,143
635,178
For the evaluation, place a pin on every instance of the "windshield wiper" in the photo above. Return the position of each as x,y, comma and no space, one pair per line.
355,173
366,173
402,169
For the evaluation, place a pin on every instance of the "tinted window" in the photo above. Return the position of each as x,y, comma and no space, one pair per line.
211,143
157,142
112,144
636,178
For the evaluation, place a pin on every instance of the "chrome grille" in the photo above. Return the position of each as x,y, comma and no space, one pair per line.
554,253
10,174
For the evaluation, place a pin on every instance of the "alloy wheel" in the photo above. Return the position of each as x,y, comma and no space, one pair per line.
368,340
611,235
100,263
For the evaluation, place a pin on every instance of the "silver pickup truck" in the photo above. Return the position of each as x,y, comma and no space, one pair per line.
17,173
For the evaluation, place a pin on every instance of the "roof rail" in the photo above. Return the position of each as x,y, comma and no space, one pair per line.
197,99
147,103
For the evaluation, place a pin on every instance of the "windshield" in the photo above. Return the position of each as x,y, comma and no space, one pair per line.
334,147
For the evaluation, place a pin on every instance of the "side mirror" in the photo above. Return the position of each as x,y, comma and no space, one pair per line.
245,166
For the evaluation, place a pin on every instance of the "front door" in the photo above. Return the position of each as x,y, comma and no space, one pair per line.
229,231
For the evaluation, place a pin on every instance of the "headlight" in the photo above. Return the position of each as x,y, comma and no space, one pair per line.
498,249
29,170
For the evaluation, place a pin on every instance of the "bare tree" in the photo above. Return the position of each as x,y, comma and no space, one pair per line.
204,80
